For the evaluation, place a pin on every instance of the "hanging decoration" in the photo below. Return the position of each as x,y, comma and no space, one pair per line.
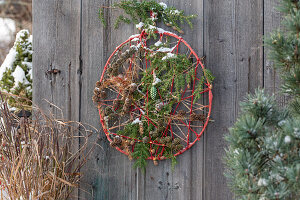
154,96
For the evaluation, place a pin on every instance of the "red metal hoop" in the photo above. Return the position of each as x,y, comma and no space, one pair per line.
208,90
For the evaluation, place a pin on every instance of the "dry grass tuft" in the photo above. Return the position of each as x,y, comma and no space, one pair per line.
38,159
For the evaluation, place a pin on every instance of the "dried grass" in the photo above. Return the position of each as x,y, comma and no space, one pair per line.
40,156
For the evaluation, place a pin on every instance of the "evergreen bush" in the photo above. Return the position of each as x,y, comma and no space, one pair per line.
263,157
16,70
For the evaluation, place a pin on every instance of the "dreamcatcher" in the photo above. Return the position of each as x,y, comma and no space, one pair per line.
154,100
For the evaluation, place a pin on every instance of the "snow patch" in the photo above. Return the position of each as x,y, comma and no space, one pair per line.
158,43
162,31
157,80
143,112
8,62
159,30
165,49
297,132
287,139
169,56
136,121
175,12
262,182
19,76
139,25
163,5
135,39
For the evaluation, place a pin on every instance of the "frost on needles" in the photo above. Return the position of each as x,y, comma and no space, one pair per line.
263,156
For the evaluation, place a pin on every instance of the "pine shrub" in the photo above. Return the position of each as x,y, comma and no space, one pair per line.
263,156
16,70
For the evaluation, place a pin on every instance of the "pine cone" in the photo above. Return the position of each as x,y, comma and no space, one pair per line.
197,117
163,158
181,113
116,103
113,144
155,134
98,84
102,94
126,92
108,111
169,145
153,92
118,140
163,140
153,151
96,99
160,126
152,133
127,105
113,117
176,141
114,69
168,139
178,147
141,128
132,88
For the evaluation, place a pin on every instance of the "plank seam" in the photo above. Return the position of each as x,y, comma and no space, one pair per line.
80,78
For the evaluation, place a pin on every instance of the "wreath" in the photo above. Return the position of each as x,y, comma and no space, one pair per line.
154,95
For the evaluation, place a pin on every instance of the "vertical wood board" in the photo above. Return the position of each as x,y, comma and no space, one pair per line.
69,36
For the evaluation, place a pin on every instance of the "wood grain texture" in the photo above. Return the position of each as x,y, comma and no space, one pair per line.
272,19
109,174
56,45
233,46
69,36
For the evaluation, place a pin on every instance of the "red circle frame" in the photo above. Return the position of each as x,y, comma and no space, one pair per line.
209,90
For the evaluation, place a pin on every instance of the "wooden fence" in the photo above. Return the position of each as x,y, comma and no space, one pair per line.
68,36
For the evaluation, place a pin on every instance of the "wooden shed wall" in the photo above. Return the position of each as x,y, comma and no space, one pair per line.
69,36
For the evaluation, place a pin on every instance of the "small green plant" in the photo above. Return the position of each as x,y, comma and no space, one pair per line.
16,71
141,153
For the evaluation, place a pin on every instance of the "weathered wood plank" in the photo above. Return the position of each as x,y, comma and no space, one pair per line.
228,32
272,19
109,174
185,182
56,45
233,33
93,49
112,168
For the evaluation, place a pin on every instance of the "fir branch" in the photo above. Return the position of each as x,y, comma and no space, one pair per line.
141,153
150,13
101,17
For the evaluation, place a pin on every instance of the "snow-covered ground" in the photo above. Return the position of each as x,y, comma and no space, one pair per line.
7,30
